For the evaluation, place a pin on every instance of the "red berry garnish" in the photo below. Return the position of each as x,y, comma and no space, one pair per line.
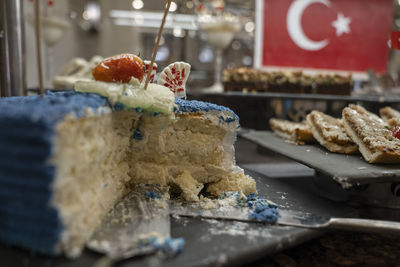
120,68
396,132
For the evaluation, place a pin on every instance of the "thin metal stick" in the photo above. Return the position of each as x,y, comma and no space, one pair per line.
157,43
39,47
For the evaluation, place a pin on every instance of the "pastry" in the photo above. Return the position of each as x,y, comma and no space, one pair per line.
375,141
330,133
390,116
297,132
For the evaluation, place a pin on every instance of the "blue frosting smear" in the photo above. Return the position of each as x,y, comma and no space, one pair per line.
152,195
262,209
137,135
197,106
168,246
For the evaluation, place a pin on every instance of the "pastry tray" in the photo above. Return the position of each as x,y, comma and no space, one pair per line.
348,170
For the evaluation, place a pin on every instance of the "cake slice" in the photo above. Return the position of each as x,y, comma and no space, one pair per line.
297,132
375,142
67,158
330,133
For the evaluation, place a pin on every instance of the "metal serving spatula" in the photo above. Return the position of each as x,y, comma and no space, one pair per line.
288,218
144,212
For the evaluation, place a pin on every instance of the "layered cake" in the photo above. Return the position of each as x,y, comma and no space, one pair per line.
69,157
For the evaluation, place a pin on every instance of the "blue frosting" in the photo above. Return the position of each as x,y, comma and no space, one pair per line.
168,246
27,130
152,195
29,110
137,134
262,209
26,138
197,106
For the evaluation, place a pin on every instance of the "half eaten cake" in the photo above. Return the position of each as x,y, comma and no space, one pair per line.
69,157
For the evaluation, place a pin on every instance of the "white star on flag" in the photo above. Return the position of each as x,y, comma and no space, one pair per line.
341,24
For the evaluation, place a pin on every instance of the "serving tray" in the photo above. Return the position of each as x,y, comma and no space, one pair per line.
348,170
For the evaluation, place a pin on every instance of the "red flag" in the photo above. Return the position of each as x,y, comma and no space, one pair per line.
395,40
347,35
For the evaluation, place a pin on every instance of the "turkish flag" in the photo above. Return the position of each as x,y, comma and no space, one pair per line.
395,40
349,35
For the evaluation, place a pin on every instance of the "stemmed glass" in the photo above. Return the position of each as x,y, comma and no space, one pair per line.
53,26
219,28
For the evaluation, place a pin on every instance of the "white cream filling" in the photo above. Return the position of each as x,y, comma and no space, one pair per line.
156,98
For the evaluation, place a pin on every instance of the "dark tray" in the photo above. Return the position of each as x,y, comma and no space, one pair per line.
348,170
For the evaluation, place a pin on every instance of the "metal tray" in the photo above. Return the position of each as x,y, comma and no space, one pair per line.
348,170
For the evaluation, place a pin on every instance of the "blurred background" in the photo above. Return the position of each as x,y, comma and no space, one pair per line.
86,28
106,28
291,55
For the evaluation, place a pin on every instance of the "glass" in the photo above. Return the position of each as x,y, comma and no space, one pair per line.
219,30
54,23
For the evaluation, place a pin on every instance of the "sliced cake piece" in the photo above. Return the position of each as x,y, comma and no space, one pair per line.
297,132
69,157
330,133
375,142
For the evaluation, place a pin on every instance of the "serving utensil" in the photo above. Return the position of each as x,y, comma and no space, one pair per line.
287,218
141,215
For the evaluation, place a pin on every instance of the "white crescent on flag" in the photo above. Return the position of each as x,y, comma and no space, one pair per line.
293,23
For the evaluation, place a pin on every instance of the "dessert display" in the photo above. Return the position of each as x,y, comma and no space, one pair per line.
358,130
248,79
330,133
375,141
297,132
70,156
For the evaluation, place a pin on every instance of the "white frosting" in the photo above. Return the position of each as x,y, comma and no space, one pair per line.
156,98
